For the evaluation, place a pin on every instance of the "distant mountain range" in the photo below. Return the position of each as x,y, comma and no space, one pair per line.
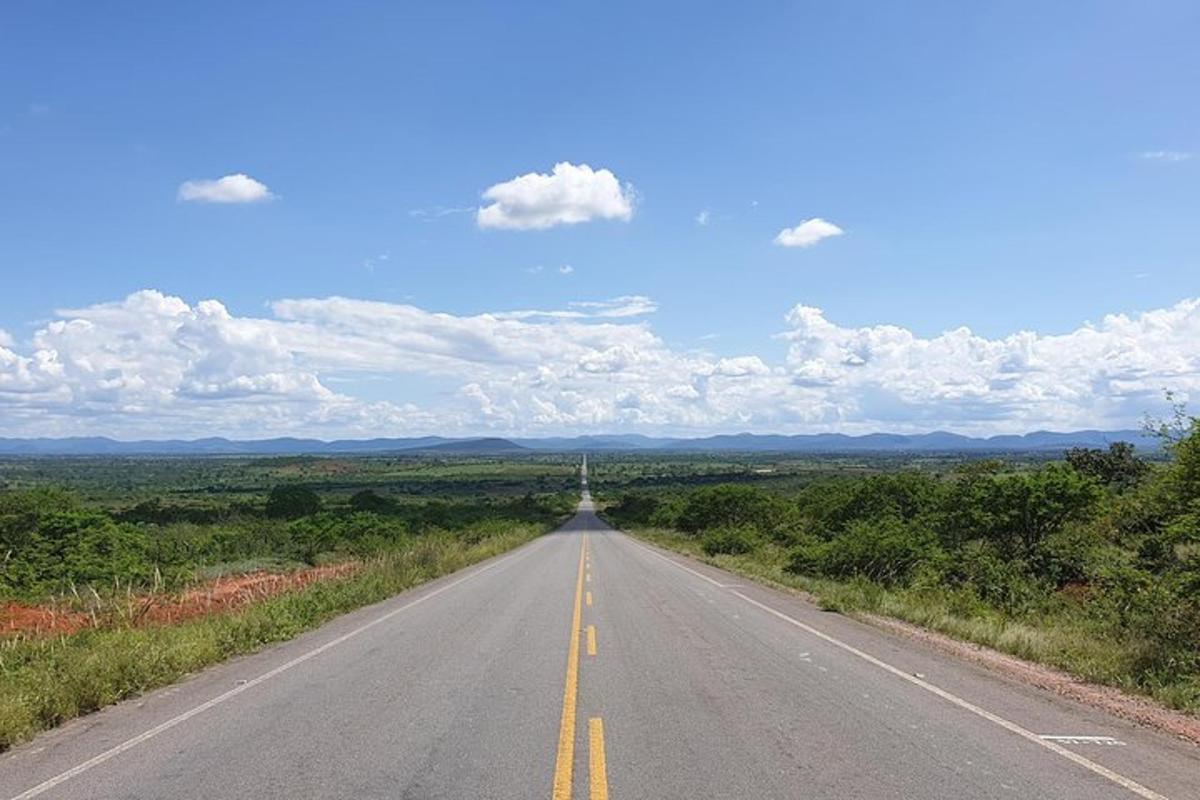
937,442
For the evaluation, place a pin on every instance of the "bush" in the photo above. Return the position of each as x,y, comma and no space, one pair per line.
731,505
47,549
730,540
1118,466
833,505
1018,511
885,550
291,501
368,500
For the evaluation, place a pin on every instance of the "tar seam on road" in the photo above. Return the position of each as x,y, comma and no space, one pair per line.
1086,763
129,744
598,770
565,761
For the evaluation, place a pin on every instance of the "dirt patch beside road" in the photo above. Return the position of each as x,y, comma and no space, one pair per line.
212,597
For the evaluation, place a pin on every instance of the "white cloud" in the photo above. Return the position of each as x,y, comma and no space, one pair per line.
632,305
703,217
565,269
155,365
568,195
6,339
1097,375
437,212
807,233
741,367
238,188
1167,156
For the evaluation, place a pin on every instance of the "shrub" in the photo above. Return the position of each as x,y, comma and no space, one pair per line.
291,501
729,505
1118,466
368,500
1018,511
885,550
730,540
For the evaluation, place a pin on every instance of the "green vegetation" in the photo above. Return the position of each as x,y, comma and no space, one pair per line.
86,535
1091,563
44,682
71,524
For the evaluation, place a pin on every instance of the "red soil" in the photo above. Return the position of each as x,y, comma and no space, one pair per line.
213,597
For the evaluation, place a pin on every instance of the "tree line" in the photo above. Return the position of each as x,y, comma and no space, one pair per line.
52,540
1101,536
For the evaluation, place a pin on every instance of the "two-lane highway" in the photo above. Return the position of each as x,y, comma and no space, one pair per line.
587,664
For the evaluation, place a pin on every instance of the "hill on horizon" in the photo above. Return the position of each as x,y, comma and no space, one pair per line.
832,443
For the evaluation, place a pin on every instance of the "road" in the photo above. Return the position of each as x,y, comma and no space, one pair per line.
586,664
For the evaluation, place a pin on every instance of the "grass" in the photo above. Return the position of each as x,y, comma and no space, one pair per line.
46,682
1066,640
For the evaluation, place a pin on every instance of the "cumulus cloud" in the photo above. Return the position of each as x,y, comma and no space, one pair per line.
238,188
1107,374
156,365
807,233
570,194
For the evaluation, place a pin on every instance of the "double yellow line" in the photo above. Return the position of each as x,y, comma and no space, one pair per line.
565,762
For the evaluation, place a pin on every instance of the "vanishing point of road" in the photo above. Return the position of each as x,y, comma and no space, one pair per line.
588,665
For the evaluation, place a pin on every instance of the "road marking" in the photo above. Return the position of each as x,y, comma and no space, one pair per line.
1104,740
656,554
129,744
589,598
598,769
565,761
967,705
1012,727
591,639
589,577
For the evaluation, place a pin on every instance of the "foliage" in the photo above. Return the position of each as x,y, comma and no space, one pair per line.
731,539
54,541
1095,557
292,501
1118,466
44,682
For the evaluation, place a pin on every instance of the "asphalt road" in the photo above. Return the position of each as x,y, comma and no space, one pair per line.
588,665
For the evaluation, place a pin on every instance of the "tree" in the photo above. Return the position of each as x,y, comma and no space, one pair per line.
729,505
1118,466
369,500
1019,511
291,501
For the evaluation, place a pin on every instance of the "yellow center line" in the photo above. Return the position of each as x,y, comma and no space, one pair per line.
599,772
591,631
565,761
589,598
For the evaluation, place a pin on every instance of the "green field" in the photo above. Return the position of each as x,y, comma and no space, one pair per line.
69,523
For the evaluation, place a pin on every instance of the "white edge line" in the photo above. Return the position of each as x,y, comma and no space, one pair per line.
129,744
657,554
1012,727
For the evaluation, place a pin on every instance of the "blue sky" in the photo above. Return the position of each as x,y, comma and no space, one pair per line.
1004,167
